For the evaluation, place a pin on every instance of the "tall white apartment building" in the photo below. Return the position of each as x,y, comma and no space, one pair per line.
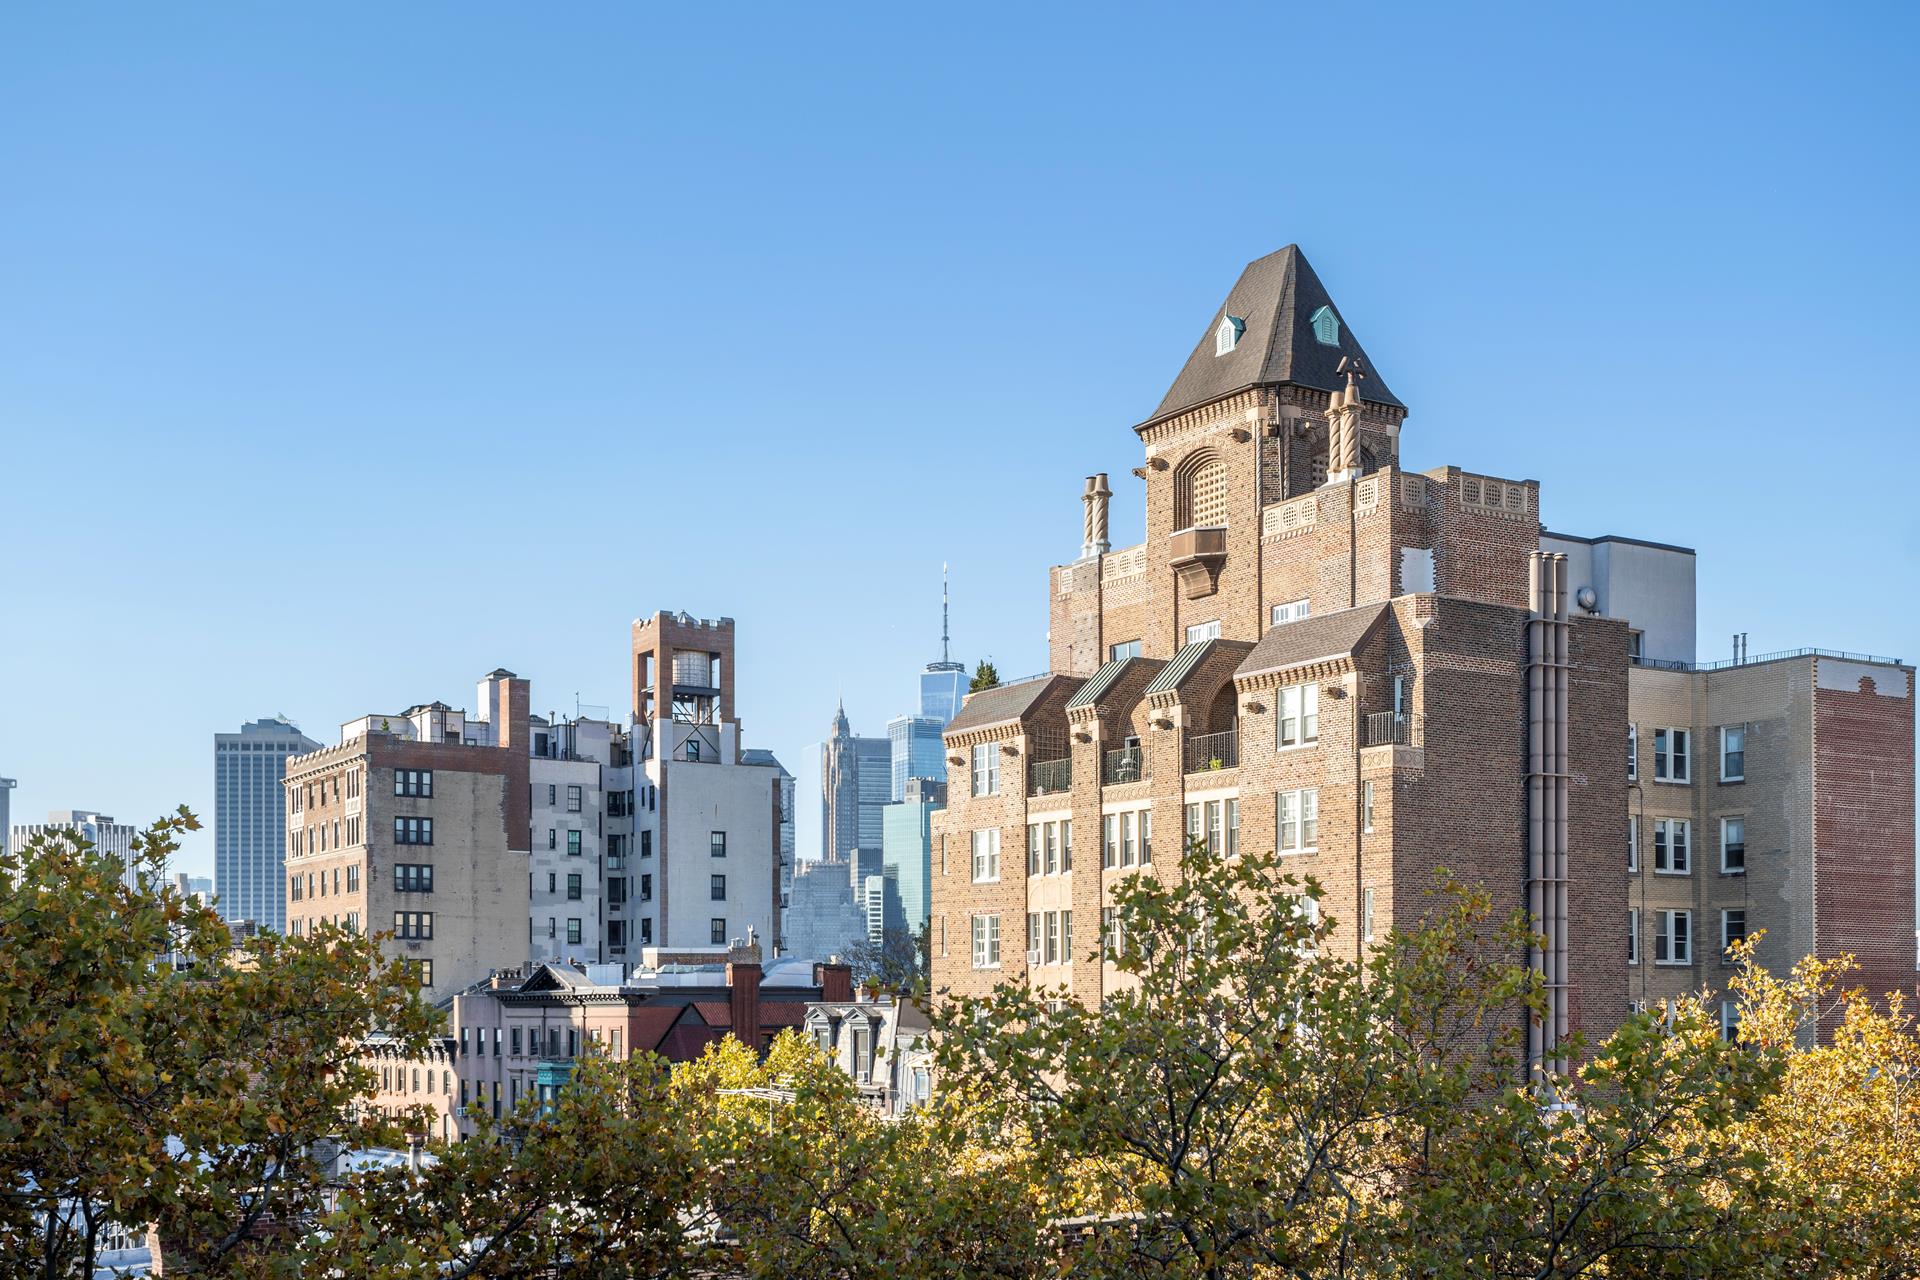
97,829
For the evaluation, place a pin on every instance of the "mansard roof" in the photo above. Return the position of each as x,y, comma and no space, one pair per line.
1278,297
1003,704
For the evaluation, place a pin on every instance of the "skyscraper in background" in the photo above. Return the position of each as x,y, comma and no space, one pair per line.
250,819
914,741
6,803
855,784
97,829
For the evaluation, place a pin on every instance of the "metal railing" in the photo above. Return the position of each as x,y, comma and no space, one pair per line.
1392,729
1208,751
1049,777
1128,764
1779,655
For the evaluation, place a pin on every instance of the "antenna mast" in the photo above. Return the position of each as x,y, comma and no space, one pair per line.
945,655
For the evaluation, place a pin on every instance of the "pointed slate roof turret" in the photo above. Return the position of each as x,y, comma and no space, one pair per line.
1288,331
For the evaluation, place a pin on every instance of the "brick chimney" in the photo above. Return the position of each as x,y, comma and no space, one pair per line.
835,982
743,997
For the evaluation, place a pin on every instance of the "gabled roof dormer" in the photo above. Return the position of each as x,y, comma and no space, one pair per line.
1326,327
1228,335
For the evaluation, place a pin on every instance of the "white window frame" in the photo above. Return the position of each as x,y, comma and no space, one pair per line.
986,769
1633,936
1298,810
1289,611
1740,870
1633,753
1673,756
1200,631
1741,730
1366,914
1729,1020
1664,845
1297,705
1366,805
986,856
1128,847
1676,927
1633,846
1109,841
986,942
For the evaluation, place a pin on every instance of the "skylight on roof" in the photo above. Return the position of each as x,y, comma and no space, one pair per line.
1227,336
1326,327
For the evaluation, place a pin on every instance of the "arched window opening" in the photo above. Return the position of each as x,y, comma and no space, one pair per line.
1200,493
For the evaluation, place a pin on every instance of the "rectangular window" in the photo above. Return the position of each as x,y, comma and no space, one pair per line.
1297,820
646,888
1196,824
986,769
1050,953
1122,651
413,830
553,927
1633,753
1366,915
1672,841
1733,846
1066,844
717,844
413,877
646,931
573,888
1291,611
1051,834
717,888
1366,805
646,844
1672,756
1033,849
573,844
1633,844
1146,836
986,856
1109,841
1729,1021
1033,937
986,942
1110,931
1636,646
413,782
1633,935
573,929
573,799
1733,928
353,878
1299,715
413,926
717,931
1200,631
1733,753
1066,937
1674,942
1127,855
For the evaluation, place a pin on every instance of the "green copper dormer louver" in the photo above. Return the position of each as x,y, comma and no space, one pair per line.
1326,327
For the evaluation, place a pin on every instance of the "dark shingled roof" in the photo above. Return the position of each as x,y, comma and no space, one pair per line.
999,705
1277,296
1332,635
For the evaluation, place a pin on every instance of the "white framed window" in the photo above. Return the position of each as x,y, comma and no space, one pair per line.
1672,755
1051,836
1366,805
1051,951
1633,753
1733,928
1227,336
986,942
1672,847
1146,836
1033,848
1203,631
1733,845
1233,828
1110,841
1110,930
1299,718
1127,858
986,769
1122,651
1673,943
1366,915
1633,935
986,856
1729,1021
1633,844
1291,611
1297,820
1733,753
1196,824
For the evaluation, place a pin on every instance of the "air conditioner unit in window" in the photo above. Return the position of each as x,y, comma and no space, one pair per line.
1033,956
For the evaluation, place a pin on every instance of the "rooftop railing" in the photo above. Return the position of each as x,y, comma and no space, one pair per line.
1779,655
1049,777
1128,764
1205,752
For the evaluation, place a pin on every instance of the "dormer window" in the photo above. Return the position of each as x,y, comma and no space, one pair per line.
1326,327
1227,336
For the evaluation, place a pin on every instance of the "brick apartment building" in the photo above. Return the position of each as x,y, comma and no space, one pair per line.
1379,672
483,842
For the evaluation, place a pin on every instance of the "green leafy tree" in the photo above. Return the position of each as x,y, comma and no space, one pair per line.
900,962
601,1181
154,1074
985,676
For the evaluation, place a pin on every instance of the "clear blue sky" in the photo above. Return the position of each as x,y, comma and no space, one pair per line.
349,351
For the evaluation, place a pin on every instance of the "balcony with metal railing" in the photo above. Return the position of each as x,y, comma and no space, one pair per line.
1392,729
1049,777
1209,752
1128,764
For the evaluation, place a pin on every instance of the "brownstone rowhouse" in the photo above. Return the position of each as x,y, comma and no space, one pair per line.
1377,672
